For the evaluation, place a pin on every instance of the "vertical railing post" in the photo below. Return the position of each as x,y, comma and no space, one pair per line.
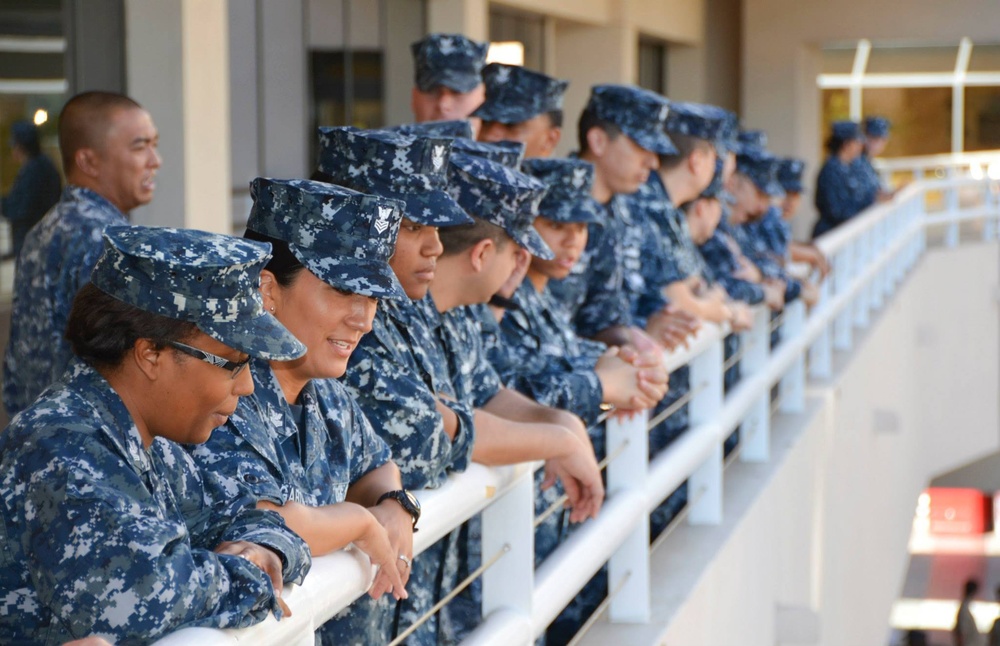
793,383
843,325
821,350
862,257
509,524
755,431
705,483
631,561
880,242
951,197
989,223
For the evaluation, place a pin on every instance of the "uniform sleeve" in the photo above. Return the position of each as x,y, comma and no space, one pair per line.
368,450
720,259
835,200
402,410
214,515
106,562
605,304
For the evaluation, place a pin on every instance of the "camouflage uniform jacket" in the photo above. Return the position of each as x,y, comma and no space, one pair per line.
105,537
594,293
838,195
754,247
396,374
719,253
58,255
264,449
473,377
552,364
870,182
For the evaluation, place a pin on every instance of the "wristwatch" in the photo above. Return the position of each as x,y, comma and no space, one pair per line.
407,500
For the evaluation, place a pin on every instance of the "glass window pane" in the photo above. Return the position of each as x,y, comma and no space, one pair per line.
894,60
507,25
985,58
653,66
838,61
982,118
921,118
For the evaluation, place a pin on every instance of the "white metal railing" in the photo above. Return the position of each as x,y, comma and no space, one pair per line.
870,255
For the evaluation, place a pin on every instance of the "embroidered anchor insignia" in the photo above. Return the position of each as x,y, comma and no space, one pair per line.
503,75
437,157
579,176
446,45
382,222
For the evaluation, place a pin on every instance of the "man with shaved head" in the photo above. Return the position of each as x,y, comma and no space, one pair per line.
109,152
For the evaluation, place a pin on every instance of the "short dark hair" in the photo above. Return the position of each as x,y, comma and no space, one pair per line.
85,120
971,587
465,236
283,263
685,145
555,117
588,121
102,329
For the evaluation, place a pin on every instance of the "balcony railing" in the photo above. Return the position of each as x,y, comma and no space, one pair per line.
870,256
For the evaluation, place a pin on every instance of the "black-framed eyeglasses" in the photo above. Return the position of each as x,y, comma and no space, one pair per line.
234,367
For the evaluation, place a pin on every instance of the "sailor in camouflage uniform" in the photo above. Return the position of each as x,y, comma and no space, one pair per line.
60,251
448,81
838,188
301,444
876,138
522,105
397,373
622,134
111,530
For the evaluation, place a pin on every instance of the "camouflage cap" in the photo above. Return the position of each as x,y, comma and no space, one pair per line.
699,120
750,141
207,279
505,153
728,138
454,128
501,196
639,113
877,126
762,169
568,198
790,172
515,94
391,164
451,60
344,237
846,130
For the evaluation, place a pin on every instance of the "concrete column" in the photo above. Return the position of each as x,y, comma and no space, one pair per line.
178,69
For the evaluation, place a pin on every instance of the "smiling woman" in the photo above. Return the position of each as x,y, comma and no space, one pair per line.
112,518
300,444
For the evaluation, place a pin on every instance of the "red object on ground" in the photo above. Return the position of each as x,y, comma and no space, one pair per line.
960,511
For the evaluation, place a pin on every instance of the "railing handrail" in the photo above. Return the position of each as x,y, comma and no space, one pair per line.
889,164
869,254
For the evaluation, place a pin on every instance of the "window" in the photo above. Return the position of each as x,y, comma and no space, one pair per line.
507,25
653,65
940,98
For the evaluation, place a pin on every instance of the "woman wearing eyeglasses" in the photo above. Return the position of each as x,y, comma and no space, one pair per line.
301,444
109,528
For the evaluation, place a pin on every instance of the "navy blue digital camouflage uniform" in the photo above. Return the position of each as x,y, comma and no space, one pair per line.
541,356
311,450
55,262
839,187
398,372
109,537
599,292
